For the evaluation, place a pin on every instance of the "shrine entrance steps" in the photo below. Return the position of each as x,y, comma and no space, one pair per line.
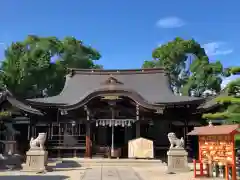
83,162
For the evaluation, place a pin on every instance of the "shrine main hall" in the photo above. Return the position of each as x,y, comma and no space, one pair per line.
100,111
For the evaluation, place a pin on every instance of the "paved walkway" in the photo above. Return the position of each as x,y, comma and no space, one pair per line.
101,173
111,173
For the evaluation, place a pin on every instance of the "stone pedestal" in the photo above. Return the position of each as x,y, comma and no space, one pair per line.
177,160
10,146
36,161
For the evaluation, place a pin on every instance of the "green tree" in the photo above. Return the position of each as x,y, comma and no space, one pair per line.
173,57
204,76
29,68
230,104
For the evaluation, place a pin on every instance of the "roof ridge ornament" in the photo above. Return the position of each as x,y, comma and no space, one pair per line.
112,81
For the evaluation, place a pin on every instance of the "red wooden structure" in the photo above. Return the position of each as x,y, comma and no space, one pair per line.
216,145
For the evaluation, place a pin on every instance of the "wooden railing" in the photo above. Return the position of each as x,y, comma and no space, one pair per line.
60,146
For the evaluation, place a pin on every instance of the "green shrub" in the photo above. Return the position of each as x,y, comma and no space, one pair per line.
237,141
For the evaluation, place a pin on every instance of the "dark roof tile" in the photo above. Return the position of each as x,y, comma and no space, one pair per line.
151,84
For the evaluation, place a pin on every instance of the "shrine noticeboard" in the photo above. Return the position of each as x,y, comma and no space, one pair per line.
216,148
140,148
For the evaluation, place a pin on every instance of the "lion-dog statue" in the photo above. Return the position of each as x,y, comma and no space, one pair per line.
174,141
38,143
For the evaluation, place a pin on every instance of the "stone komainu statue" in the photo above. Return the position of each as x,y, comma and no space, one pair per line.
38,143
174,141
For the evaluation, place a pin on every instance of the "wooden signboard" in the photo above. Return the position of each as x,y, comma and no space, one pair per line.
111,97
216,148
216,145
140,148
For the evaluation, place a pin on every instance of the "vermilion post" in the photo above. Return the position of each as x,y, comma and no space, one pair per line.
226,172
194,168
88,141
234,174
200,156
201,169
88,147
199,146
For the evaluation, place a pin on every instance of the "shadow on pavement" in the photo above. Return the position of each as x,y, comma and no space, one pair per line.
67,164
24,177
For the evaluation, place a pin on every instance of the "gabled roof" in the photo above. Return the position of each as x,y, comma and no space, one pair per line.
146,86
214,130
5,95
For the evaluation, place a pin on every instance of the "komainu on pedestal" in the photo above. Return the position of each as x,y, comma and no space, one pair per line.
36,155
177,155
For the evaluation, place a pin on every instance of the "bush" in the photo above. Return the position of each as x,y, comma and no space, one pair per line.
237,141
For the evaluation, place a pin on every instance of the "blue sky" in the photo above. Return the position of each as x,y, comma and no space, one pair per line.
126,31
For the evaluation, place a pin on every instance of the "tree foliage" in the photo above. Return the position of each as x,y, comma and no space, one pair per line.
230,103
4,114
204,76
200,76
39,64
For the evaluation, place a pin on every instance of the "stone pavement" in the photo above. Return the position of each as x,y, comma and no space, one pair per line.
101,173
66,174
149,173
111,173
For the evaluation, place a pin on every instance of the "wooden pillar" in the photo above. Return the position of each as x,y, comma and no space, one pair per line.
33,130
138,129
126,135
29,131
101,135
138,133
185,131
88,152
59,140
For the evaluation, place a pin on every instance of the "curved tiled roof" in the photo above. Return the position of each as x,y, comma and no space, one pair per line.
152,85
5,95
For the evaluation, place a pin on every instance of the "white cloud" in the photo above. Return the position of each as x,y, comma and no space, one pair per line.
170,22
4,45
228,80
217,48
160,44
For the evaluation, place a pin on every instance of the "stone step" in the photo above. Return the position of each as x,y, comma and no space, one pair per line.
118,164
107,162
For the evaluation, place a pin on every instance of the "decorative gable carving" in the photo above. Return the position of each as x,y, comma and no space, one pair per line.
112,81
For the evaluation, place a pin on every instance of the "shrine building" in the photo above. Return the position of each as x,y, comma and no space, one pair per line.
99,111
